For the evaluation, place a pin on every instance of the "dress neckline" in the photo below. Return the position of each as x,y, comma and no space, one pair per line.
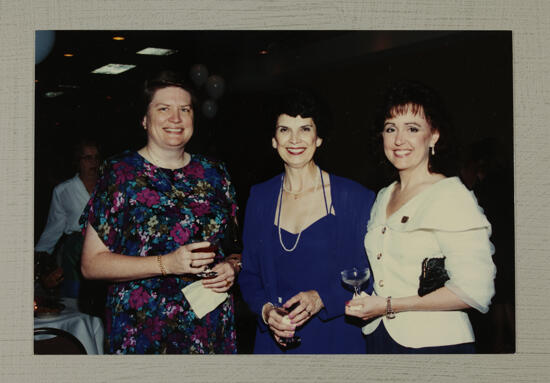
390,192
145,160
308,226
328,208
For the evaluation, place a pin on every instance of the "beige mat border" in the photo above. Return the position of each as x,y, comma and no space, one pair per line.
529,21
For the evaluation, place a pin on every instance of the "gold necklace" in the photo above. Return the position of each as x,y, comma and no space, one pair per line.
296,194
158,163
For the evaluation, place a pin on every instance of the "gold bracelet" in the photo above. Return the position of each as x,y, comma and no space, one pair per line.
161,266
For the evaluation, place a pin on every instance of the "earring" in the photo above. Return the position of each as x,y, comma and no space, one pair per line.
433,150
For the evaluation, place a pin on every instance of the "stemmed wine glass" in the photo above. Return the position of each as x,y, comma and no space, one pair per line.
355,277
207,272
279,309
207,235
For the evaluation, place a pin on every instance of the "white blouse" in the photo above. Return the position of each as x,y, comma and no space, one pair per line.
444,220
68,201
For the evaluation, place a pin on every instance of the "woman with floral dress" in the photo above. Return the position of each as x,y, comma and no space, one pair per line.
149,211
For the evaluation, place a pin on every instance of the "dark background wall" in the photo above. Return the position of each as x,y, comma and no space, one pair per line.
472,70
347,69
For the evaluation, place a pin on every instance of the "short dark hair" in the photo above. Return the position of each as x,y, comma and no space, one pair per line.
297,102
403,95
160,80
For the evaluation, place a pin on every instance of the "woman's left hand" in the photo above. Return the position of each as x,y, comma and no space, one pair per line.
223,281
366,306
310,303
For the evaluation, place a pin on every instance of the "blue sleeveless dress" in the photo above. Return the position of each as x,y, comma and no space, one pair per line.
326,247
312,263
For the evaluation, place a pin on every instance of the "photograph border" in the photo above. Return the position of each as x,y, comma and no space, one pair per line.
530,26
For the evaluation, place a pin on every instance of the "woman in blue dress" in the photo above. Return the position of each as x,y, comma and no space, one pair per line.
301,229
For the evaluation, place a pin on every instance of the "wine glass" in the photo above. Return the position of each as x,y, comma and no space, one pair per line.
279,309
207,273
355,277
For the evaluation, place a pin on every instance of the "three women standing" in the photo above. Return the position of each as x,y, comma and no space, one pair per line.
152,208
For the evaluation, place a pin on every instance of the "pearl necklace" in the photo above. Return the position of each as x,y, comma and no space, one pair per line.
281,208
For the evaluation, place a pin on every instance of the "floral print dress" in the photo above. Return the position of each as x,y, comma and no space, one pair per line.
139,209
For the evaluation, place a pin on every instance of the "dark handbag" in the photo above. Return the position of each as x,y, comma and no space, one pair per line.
433,275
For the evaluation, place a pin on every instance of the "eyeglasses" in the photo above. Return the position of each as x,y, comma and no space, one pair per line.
89,157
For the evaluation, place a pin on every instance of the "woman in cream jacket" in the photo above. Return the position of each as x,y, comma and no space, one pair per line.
423,214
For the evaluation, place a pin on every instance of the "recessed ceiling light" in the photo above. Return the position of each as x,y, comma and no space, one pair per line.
113,68
53,94
68,55
156,51
263,52
118,38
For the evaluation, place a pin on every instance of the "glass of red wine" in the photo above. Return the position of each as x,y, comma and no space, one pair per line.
207,272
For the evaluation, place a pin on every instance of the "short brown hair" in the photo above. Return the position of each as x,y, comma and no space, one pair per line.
164,79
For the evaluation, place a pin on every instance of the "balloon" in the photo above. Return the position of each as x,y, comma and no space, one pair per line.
43,44
215,85
209,108
199,74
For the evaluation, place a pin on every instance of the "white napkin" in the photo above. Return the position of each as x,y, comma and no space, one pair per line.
201,299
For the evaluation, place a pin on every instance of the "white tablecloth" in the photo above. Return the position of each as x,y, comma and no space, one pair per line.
88,329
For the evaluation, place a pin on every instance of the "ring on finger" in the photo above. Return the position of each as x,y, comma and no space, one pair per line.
228,283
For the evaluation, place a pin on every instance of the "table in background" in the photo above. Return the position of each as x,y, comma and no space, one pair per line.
88,329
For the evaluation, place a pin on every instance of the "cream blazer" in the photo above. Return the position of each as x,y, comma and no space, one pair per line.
442,220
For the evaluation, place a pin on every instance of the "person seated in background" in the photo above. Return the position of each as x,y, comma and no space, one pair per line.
61,241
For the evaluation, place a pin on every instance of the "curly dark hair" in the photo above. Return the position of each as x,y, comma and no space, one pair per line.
297,102
163,79
401,96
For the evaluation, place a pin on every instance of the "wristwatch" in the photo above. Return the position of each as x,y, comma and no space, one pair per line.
390,314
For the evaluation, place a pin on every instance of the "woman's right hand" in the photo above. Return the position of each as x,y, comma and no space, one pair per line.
184,261
279,325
